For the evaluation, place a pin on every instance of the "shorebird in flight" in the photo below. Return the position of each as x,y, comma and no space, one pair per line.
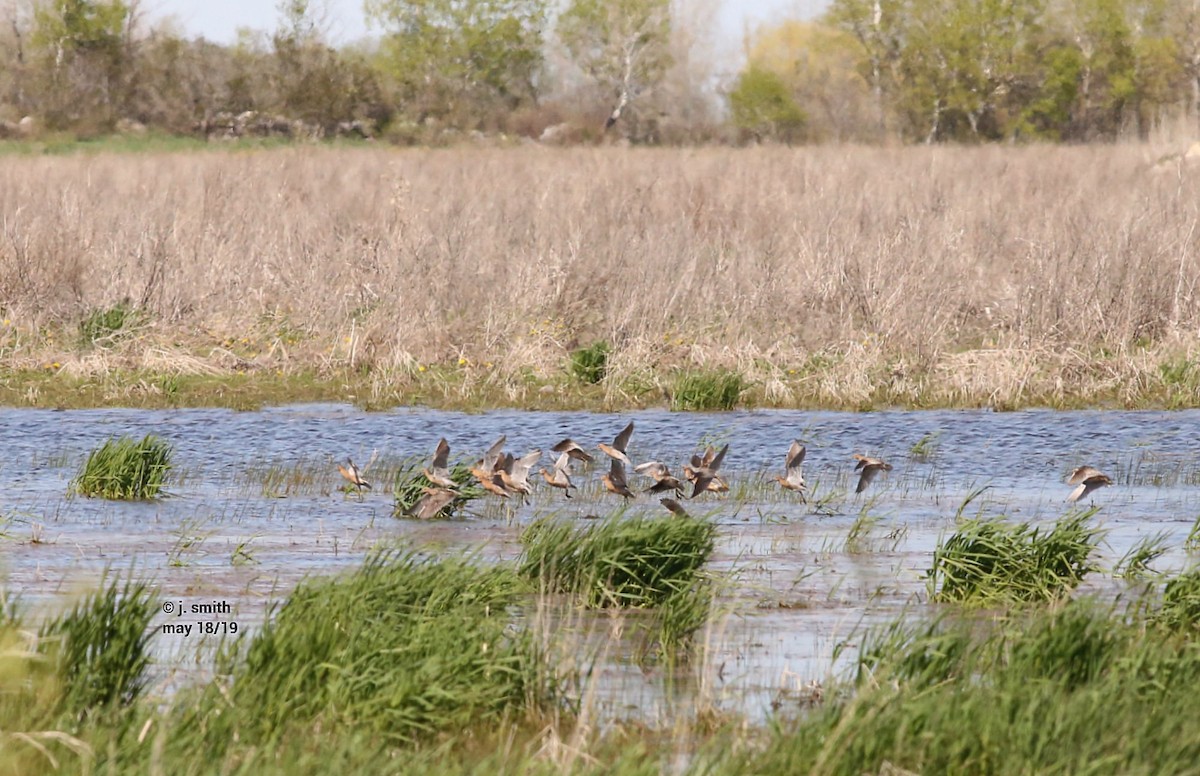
572,448
616,450
1089,480
663,481
704,476
560,476
869,468
433,502
515,471
439,472
356,476
486,469
614,481
353,475
674,507
793,479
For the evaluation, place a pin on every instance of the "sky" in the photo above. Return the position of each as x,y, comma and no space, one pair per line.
218,20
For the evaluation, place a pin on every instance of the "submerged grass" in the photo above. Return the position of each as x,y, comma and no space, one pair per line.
620,561
988,562
125,469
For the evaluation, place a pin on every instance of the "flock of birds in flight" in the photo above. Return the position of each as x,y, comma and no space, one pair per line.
504,475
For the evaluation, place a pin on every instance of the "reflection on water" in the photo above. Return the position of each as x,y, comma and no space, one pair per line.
799,589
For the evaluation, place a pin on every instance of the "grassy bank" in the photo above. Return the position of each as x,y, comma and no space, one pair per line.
417,664
702,278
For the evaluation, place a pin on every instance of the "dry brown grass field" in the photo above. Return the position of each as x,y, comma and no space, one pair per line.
841,277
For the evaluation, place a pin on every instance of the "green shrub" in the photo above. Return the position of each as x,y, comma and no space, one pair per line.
707,390
125,469
590,364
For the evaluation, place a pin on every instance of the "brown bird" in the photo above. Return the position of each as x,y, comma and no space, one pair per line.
439,472
869,467
485,469
705,477
793,479
1088,480
433,502
572,448
515,472
674,507
617,449
560,477
351,473
614,481
663,481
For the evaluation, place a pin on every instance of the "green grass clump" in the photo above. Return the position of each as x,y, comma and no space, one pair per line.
590,364
125,469
620,561
402,649
707,390
1068,691
1135,564
1180,609
105,326
411,483
989,562
101,648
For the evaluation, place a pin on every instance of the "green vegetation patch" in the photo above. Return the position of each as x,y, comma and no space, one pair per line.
403,648
104,326
101,648
991,562
707,390
125,469
590,364
1065,691
622,561
1180,609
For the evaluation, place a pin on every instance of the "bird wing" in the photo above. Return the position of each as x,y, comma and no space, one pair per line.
655,469
864,479
716,462
519,469
441,456
493,453
795,456
616,473
621,441
563,464
434,501
673,506
1082,474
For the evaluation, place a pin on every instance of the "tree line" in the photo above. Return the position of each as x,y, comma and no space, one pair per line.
869,70
975,70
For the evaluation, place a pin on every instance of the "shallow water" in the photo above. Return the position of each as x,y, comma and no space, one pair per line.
799,593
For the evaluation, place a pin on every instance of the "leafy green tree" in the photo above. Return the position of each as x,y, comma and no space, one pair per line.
622,46
462,61
84,50
762,105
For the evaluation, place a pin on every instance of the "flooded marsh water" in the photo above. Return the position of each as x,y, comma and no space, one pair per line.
256,505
